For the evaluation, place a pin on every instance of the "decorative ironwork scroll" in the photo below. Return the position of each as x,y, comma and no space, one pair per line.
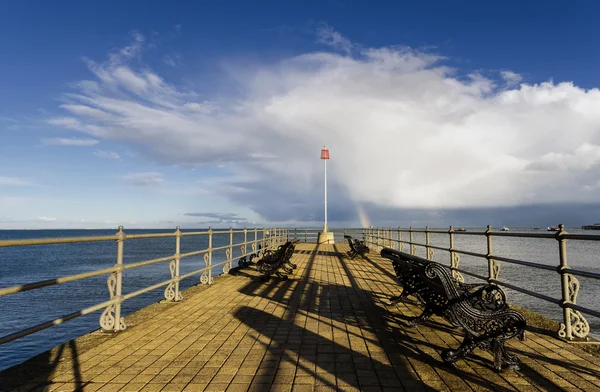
227,265
170,290
579,325
108,319
206,277
495,269
454,265
430,253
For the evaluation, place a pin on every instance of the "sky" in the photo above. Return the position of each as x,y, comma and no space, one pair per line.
214,113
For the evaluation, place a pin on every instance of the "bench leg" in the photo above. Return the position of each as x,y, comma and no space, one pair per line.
291,265
427,312
466,347
399,298
287,270
503,358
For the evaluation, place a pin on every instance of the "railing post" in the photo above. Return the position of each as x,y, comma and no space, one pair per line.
574,325
413,248
387,237
263,240
454,258
245,246
110,319
305,235
378,237
254,246
399,238
229,253
390,242
493,266
206,277
428,250
172,290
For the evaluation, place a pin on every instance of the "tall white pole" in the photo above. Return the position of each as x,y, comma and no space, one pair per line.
325,227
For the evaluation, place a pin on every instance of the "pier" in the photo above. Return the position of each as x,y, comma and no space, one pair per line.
329,327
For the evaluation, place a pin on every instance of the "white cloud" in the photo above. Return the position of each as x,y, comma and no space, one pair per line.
404,130
511,78
14,181
328,36
144,178
59,141
66,122
46,219
107,154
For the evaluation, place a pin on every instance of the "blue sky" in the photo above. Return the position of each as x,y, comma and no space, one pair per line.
214,113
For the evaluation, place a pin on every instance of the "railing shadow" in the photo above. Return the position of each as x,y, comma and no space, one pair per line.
37,373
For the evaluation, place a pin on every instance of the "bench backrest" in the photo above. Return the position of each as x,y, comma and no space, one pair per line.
470,310
352,242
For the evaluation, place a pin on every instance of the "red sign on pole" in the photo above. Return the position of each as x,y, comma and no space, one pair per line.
324,153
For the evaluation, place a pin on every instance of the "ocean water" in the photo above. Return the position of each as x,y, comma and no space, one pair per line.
20,265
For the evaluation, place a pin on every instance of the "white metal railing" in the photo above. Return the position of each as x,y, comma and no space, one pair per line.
574,324
111,318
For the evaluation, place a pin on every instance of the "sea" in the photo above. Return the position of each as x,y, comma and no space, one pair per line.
21,265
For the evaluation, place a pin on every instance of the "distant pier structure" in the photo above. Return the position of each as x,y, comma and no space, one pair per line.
595,226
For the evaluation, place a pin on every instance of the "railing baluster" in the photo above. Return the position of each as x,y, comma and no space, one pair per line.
454,258
245,249
400,244
493,266
206,277
574,325
428,250
172,290
229,253
413,248
111,319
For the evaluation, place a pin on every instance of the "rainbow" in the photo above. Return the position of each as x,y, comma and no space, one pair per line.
362,215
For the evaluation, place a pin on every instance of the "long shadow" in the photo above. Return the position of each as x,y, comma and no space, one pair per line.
323,358
37,372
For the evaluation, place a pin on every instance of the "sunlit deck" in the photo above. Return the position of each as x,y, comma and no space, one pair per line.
327,328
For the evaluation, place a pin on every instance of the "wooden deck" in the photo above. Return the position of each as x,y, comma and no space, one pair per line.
327,328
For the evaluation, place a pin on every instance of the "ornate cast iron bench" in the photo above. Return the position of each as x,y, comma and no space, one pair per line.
273,262
480,310
356,247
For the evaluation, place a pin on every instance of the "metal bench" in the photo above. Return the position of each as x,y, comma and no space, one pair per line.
480,310
273,261
356,247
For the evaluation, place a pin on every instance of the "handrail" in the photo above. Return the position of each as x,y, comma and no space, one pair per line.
110,318
574,324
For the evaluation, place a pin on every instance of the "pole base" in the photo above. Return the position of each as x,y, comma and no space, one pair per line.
325,237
